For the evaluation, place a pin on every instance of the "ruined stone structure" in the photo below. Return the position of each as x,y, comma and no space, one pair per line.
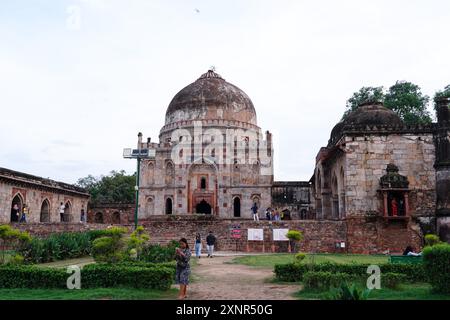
293,197
111,213
43,198
386,179
211,158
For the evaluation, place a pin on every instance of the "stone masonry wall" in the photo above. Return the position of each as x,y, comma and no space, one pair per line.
359,235
366,161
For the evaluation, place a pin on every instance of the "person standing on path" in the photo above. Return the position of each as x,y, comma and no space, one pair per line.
183,270
198,245
210,242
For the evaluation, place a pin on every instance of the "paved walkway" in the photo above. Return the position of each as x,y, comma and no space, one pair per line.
218,279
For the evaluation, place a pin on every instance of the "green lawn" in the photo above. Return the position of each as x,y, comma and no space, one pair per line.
269,261
87,294
409,291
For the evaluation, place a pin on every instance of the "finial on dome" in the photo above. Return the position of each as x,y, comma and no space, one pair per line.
211,74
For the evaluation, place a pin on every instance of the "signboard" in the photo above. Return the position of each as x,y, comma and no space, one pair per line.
255,234
280,234
139,153
236,233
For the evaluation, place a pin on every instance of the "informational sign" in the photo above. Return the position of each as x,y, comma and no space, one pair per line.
255,234
236,233
280,234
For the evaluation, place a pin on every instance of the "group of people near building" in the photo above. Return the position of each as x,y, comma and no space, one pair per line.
274,214
25,211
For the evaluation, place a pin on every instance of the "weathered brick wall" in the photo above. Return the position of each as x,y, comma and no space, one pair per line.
379,236
359,235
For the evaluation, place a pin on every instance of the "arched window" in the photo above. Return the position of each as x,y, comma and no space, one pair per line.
203,183
169,206
98,217
116,218
237,207
170,173
45,211
67,217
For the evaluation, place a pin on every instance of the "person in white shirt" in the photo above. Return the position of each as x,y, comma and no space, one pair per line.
62,208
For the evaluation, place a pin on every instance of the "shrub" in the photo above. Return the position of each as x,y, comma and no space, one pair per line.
157,253
299,257
392,280
136,242
66,245
12,239
292,272
431,240
345,292
324,280
437,267
107,249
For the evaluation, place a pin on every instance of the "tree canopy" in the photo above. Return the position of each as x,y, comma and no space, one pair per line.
115,187
441,94
404,98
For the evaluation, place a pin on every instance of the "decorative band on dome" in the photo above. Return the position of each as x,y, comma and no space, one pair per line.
210,75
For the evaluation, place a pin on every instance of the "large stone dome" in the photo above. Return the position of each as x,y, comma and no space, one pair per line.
367,114
211,98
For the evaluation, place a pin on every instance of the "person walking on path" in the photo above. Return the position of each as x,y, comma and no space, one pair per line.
210,242
198,245
183,269
255,212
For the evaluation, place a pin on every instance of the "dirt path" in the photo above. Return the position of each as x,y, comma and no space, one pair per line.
217,279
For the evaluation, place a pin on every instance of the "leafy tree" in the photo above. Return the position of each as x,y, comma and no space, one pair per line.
406,99
365,94
441,94
115,187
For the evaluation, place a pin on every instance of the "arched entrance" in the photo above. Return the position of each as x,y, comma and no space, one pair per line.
203,207
116,218
67,217
169,206
98,217
45,211
16,208
237,207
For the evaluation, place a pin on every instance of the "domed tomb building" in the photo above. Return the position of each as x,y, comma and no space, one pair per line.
380,176
212,158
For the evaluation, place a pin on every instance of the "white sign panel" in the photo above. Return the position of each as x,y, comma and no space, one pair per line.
280,234
255,234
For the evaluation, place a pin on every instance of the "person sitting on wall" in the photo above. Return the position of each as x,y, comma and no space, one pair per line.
409,251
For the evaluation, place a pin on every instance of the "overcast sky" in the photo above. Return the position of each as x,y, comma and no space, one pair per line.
80,79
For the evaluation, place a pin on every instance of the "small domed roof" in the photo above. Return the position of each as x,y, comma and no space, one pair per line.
367,114
211,97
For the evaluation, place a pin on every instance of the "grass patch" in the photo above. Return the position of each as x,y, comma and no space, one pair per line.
87,294
269,261
407,291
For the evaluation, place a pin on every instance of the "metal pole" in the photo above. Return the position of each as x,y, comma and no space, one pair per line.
137,193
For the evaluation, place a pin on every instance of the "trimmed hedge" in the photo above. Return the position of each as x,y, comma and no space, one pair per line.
106,276
92,276
325,280
292,272
437,266
392,280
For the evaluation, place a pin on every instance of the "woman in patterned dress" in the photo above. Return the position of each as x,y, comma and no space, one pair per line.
182,257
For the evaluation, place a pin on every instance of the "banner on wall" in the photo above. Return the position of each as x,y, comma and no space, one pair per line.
280,234
255,234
